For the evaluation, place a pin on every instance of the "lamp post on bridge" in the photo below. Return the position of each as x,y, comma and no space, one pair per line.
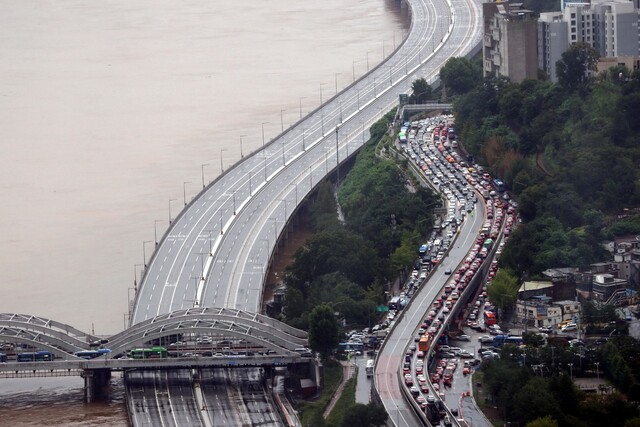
263,123
155,230
144,251
184,191
321,84
300,104
202,169
135,275
170,219
282,120
336,77
222,164
241,152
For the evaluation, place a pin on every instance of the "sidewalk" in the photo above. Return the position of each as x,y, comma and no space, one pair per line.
347,372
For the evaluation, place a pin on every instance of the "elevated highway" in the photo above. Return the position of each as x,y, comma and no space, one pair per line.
217,251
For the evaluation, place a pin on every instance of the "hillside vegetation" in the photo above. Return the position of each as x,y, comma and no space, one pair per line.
346,265
568,151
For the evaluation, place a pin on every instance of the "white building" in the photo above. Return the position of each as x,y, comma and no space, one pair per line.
609,26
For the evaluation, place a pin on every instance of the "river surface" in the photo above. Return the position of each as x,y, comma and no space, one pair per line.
113,113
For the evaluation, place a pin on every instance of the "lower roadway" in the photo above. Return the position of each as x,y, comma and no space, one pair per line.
392,353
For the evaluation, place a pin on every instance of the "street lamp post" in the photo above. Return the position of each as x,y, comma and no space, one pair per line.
202,169
184,191
321,84
241,152
336,77
170,200
301,98
155,230
144,252
597,370
282,120
570,370
263,123
390,79
135,274
221,164
234,202
310,178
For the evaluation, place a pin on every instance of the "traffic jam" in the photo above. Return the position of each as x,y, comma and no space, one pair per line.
431,365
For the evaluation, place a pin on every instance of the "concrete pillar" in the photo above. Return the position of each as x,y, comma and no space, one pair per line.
95,383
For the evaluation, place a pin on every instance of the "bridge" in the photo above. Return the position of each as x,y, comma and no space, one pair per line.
409,109
217,251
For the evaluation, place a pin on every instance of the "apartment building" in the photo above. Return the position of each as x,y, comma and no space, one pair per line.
609,26
509,45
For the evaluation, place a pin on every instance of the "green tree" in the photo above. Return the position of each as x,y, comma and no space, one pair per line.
421,92
323,330
503,290
360,415
543,422
459,75
576,63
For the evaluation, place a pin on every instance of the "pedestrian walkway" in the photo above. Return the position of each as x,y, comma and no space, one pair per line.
348,370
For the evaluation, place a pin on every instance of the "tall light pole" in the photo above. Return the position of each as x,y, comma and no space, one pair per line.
321,84
250,191
202,169
155,230
336,76
135,274
282,120
241,152
221,164
301,98
144,251
184,191
263,123
390,79
353,69
170,219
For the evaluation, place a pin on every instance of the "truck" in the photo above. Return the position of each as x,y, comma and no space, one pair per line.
369,368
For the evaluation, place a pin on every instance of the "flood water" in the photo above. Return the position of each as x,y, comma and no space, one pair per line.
113,113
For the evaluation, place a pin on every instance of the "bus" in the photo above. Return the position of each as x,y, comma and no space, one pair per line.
487,244
499,185
369,368
423,344
148,353
489,318
92,354
37,356
500,340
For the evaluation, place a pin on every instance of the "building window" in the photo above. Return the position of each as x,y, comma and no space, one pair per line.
573,37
